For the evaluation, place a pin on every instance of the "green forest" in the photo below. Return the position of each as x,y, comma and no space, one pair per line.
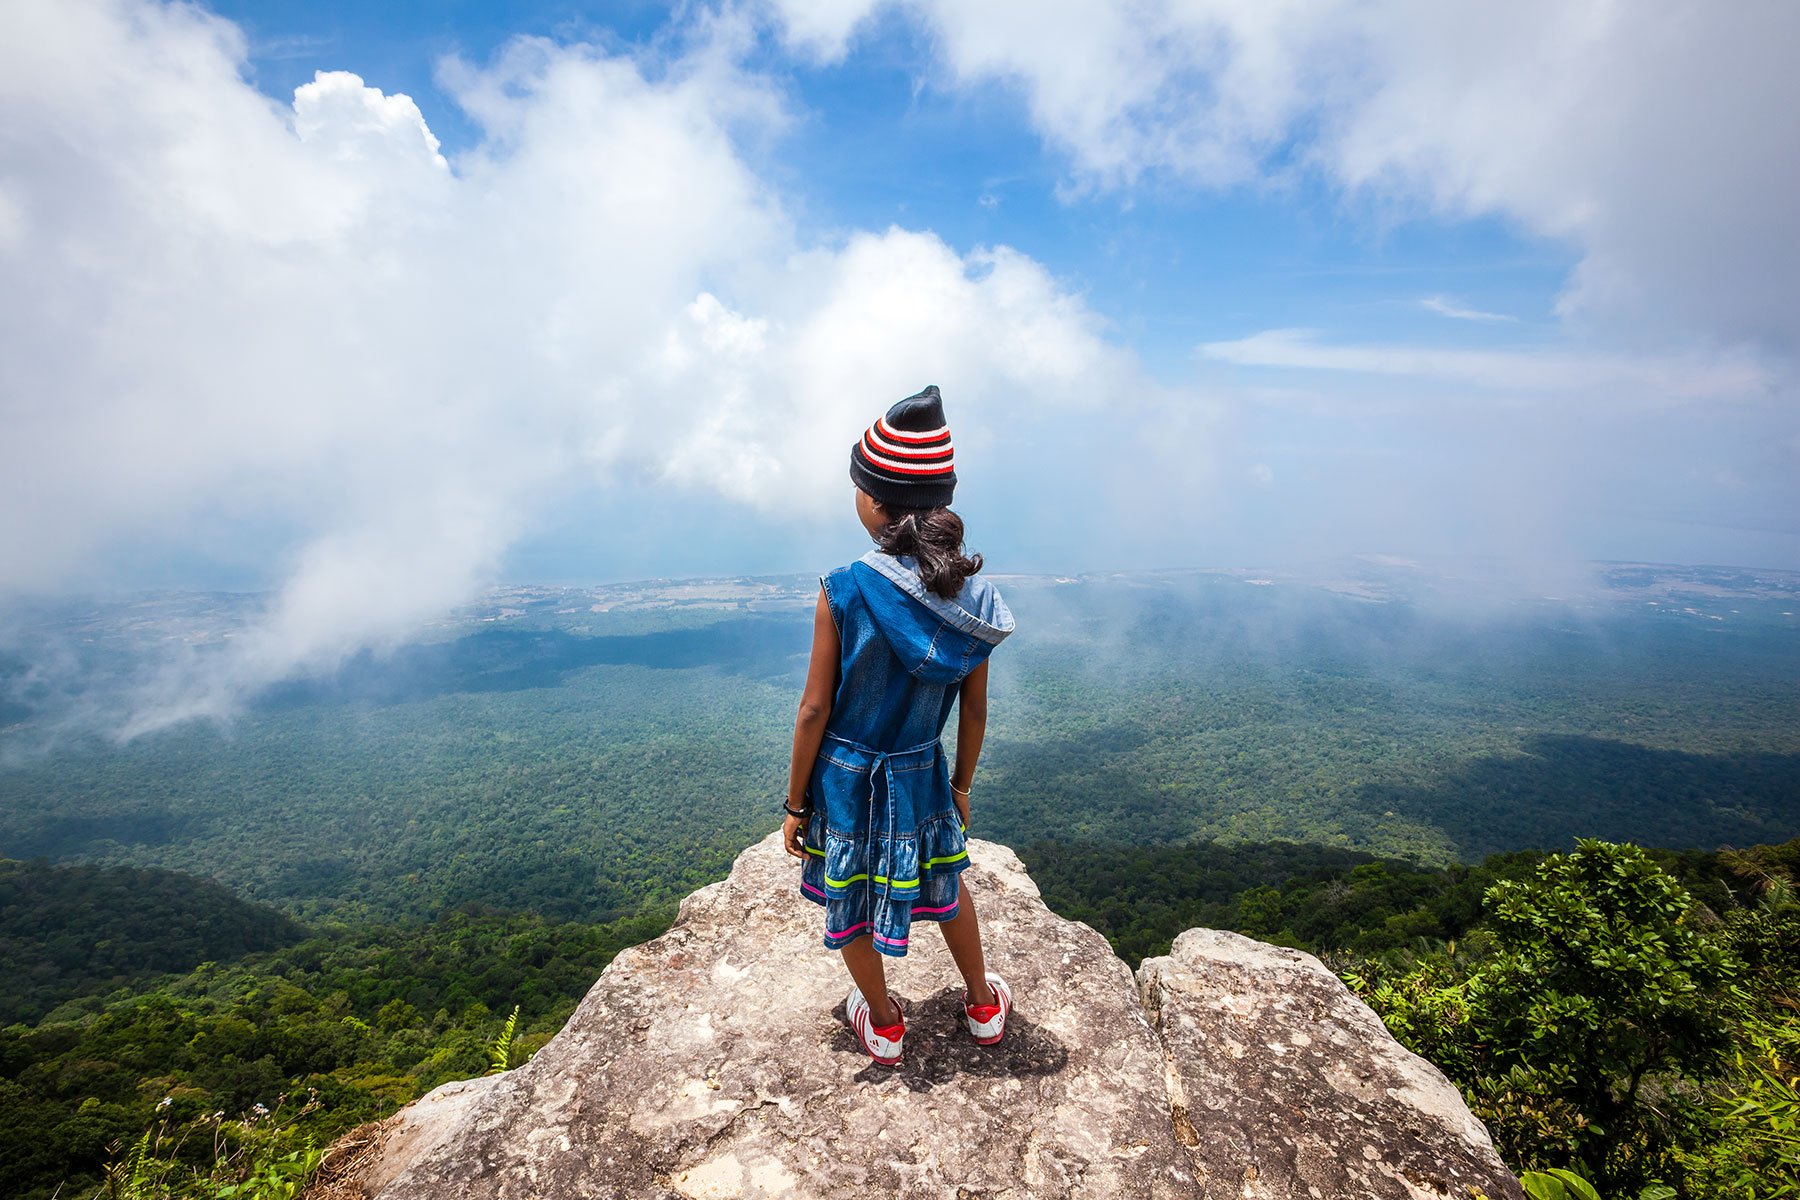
347,1021
622,759
225,944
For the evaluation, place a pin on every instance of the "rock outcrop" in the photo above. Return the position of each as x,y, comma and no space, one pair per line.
712,1062
1282,1083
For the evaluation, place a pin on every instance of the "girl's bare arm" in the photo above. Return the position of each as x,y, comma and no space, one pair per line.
971,725
809,725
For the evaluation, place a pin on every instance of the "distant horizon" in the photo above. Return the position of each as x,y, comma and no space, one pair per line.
1374,559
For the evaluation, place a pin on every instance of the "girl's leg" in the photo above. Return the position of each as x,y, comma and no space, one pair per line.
962,934
870,975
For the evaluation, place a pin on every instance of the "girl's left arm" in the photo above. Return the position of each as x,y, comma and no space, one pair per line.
809,725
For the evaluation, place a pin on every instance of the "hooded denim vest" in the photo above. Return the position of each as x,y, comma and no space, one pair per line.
884,844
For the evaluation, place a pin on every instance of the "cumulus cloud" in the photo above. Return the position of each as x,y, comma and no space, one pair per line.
300,326
786,387
357,123
1662,145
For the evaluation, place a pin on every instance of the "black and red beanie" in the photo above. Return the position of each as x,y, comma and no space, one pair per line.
905,458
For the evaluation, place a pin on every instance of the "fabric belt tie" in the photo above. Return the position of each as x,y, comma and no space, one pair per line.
882,762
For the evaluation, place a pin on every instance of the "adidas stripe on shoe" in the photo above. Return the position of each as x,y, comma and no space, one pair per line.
881,1041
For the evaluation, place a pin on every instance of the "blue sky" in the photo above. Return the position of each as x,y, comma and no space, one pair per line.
879,140
371,305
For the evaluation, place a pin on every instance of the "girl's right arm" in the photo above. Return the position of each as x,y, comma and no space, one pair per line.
809,723
971,725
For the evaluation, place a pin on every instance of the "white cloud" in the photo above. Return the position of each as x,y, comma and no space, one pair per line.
1443,306
1663,145
358,123
1597,376
302,319
822,29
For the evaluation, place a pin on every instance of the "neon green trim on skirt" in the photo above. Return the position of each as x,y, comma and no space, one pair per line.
881,879
899,883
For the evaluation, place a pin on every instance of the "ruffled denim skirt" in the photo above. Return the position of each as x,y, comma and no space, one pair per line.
885,844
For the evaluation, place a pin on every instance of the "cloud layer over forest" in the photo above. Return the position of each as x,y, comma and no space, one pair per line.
301,336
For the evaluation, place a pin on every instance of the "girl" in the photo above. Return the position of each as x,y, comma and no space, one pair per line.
872,810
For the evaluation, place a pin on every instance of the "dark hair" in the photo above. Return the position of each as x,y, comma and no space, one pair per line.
934,536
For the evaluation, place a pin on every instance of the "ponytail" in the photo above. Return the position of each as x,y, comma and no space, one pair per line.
933,536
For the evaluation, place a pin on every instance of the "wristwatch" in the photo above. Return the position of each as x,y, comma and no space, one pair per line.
802,813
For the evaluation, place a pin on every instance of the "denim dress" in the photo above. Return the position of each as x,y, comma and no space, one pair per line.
884,845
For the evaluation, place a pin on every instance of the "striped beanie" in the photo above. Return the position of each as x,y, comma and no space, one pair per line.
905,458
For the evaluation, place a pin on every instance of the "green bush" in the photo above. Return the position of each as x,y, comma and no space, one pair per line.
1753,1151
266,1154
1580,1037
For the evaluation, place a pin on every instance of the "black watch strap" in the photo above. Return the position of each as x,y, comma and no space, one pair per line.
795,812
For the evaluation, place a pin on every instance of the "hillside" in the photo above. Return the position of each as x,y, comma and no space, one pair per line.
70,931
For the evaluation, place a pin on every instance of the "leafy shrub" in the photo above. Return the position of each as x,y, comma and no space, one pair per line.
263,1155
1602,1002
1557,1184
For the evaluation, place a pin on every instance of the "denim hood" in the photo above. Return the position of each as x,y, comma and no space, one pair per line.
936,640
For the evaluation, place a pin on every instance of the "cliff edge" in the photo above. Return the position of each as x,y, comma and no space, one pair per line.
714,1062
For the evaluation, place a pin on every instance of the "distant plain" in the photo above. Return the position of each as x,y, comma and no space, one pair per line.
588,753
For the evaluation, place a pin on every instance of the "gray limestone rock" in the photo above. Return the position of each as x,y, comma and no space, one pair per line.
715,1062
1283,1083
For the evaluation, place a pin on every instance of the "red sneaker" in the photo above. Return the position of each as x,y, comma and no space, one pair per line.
987,1022
881,1041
